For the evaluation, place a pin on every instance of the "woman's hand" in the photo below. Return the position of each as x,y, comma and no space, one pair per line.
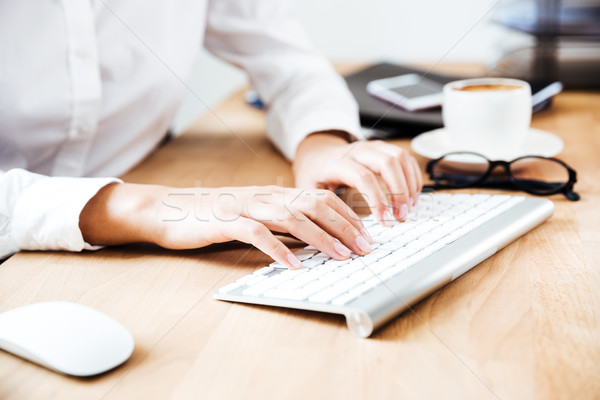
196,217
328,161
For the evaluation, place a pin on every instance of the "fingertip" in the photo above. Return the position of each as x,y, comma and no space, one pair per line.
293,262
363,245
403,212
341,250
386,218
366,235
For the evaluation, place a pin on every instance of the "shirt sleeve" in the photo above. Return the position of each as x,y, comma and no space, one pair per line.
302,91
42,213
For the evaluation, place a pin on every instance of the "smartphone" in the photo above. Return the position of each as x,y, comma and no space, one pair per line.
410,91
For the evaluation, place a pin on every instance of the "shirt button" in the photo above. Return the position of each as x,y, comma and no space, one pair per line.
83,53
85,130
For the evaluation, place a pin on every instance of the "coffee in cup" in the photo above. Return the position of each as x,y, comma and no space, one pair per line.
488,86
490,116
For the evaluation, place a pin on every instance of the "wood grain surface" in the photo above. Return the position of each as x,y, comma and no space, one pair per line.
524,324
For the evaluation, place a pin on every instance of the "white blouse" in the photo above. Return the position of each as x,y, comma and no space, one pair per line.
89,87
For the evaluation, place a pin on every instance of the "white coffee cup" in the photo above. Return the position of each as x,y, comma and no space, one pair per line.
490,116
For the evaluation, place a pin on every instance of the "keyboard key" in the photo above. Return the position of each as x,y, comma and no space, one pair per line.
315,287
264,270
376,230
321,256
388,273
327,267
352,267
231,287
371,283
290,285
343,299
384,263
393,245
357,291
312,262
255,280
335,263
387,235
305,253
259,289
346,284
363,275
317,272
329,278
391,272
292,273
246,278
325,296
356,279
374,256
286,294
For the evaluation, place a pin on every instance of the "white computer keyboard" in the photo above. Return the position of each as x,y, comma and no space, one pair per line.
435,224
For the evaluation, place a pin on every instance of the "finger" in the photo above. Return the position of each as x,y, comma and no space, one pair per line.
311,203
362,178
419,178
328,219
280,218
409,175
393,174
409,167
257,234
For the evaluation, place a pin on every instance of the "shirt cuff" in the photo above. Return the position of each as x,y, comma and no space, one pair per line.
46,215
317,122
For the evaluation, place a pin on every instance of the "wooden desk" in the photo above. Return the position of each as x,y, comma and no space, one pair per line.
524,324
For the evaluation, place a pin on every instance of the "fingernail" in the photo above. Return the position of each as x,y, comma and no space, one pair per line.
366,235
363,245
411,201
403,211
388,217
341,249
294,261
416,198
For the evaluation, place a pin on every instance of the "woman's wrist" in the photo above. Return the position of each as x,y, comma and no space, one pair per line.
317,142
121,213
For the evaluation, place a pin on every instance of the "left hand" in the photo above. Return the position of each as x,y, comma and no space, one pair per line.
327,161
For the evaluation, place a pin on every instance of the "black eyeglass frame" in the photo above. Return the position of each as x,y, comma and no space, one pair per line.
566,189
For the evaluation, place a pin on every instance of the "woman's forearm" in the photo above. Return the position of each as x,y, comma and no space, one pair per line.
121,213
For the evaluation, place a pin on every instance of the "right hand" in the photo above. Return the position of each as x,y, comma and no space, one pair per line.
196,217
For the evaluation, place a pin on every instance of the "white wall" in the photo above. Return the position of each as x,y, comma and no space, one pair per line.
406,31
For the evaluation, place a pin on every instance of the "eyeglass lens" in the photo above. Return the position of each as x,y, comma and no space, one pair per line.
459,169
535,174
539,175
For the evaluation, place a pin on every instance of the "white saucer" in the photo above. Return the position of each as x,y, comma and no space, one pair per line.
436,143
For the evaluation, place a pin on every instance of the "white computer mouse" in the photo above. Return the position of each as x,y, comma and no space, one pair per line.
65,337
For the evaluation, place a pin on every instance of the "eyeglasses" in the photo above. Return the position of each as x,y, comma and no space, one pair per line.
533,174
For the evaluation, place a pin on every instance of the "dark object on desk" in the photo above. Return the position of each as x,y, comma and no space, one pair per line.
566,41
541,176
393,121
381,115
253,100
